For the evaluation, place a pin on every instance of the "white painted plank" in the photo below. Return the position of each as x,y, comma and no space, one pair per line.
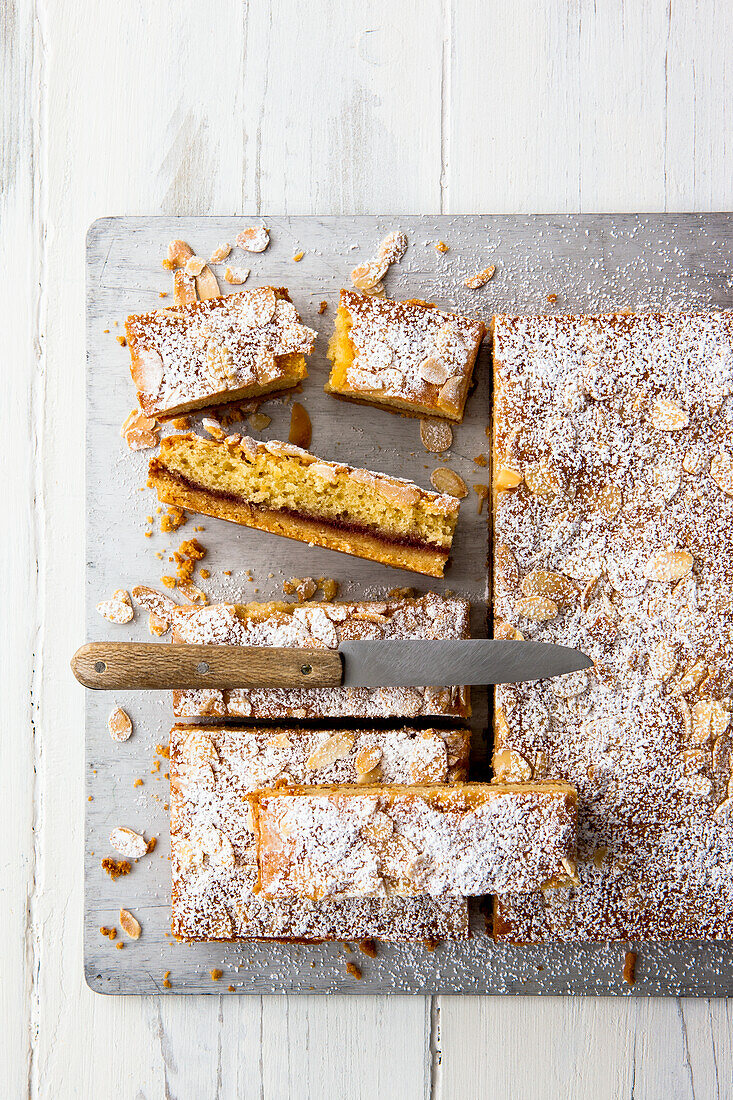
20,625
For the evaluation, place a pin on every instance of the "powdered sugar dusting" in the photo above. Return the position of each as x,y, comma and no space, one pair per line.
471,841
213,767
183,356
620,502
282,624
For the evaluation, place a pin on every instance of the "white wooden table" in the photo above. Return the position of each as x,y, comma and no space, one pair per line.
295,107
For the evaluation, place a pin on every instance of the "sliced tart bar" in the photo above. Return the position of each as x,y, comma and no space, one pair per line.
213,844
470,839
217,351
408,356
315,626
280,488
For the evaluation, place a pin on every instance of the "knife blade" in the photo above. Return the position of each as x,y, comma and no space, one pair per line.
384,663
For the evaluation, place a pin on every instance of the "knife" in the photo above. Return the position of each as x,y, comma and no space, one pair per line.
411,662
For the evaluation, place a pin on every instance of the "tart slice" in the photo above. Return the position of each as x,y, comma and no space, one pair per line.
280,488
213,846
469,839
317,626
217,351
408,356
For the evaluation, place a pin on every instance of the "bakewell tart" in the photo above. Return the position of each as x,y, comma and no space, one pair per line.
471,839
213,845
317,626
281,488
613,507
407,356
217,351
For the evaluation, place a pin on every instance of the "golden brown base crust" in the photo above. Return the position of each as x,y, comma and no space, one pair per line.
428,561
395,405
226,398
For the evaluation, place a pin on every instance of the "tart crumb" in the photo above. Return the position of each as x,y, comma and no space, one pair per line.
482,492
166,980
216,974
204,574
138,783
630,967
152,844
552,297
181,423
116,867
329,587
298,257
481,460
323,306
162,293
110,933
368,947
441,246
168,582
121,341
174,518
120,946
354,970
163,750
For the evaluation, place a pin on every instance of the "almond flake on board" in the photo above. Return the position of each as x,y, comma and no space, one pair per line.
448,481
220,254
130,924
179,253
119,725
436,436
254,239
236,275
128,843
117,610
195,265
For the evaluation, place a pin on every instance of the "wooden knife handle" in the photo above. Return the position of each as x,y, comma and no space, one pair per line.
115,665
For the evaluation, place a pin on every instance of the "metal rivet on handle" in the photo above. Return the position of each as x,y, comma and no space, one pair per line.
100,666
306,670
202,667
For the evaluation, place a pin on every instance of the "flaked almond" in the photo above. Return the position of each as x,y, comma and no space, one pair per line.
507,478
195,265
179,253
663,660
433,371
571,870
199,748
157,627
669,565
130,925
480,278
542,582
378,291
192,592
367,760
511,766
608,500
119,725
668,416
397,492
379,827
258,308
536,608
436,436
138,439
128,843
691,678
220,254
451,392
393,247
693,461
710,720
325,471
254,239
157,602
369,275
506,570
334,748
301,429
721,471
723,814
237,275
207,286
507,632
118,609
213,427
448,481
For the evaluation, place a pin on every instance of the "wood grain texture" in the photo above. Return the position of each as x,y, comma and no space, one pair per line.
105,666
284,107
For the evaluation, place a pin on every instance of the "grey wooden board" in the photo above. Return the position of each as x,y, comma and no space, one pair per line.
592,263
